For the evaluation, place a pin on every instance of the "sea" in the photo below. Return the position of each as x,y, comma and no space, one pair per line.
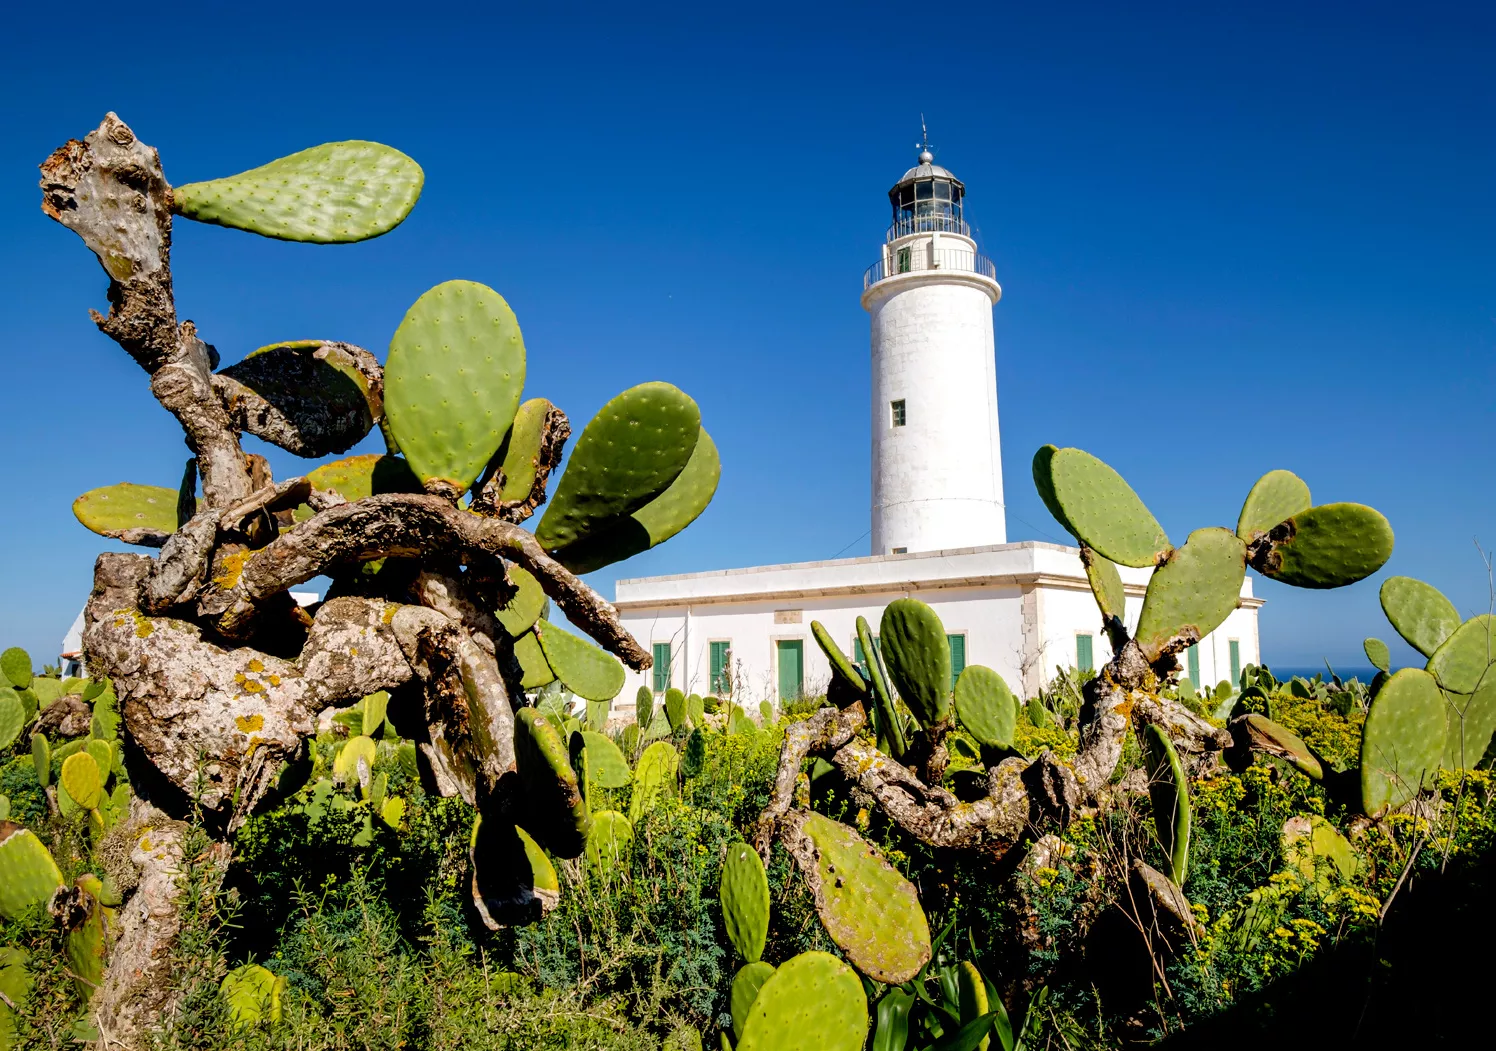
1284,672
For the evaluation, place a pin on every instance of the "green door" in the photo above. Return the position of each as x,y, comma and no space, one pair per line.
791,669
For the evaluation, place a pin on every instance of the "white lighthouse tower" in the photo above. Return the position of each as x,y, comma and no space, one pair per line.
937,472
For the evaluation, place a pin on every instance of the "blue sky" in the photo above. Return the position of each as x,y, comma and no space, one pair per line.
1228,241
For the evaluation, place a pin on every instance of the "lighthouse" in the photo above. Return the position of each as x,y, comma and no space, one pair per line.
936,469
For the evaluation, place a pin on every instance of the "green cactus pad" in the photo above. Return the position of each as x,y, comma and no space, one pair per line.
28,875
696,710
812,1002
12,717
519,453
555,811
745,988
868,909
657,521
1402,741
889,727
627,455
1106,586
253,995
1317,850
841,666
537,671
1466,661
1277,497
112,509
15,985
587,671
102,753
1420,613
452,381
1471,726
375,706
971,998
1328,546
606,764
1197,586
1169,789
41,759
522,611
986,707
653,777
15,667
1102,511
609,842
335,193
310,381
1378,654
513,882
644,706
345,763
84,946
1044,483
80,778
675,708
744,893
918,655
1285,744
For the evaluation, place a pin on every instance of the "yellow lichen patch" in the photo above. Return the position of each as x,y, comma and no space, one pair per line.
249,723
256,665
389,613
230,568
143,625
250,686
273,680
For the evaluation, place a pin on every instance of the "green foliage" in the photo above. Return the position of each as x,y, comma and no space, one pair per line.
113,509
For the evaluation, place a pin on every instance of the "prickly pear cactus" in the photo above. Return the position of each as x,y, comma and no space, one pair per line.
15,989
80,778
1318,850
745,988
535,668
890,729
555,811
1169,790
586,670
520,452
309,379
253,995
918,655
41,758
841,665
696,710
335,193
1106,586
1378,654
812,1002
1463,662
1420,613
609,842
1403,740
85,944
644,706
15,666
28,875
653,777
513,882
986,707
113,509
1328,546
522,611
345,766
1275,497
744,893
971,997
675,708
1192,592
1285,744
1099,508
606,763
12,717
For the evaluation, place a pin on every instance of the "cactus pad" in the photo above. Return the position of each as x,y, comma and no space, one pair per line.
841,667
1196,587
28,875
813,1002
85,944
80,779
653,777
986,707
1317,849
1328,546
627,455
587,671
609,842
675,708
102,753
1284,743
15,667
918,655
375,706
1276,497
113,509
12,717
1378,654
519,453
1169,790
1106,586
1471,725
1044,483
606,765
868,909
522,611
453,379
536,670
513,882
1464,662
253,994
745,986
1403,740
15,985
696,710
555,810
745,900
41,759
1102,511
345,764
335,193
1420,613
309,381
644,706
889,727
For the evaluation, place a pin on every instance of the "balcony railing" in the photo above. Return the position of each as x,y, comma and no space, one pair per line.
927,224
914,259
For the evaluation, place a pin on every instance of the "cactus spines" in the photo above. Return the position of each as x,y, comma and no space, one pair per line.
609,842
335,193
557,813
1378,654
12,716
523,610
627,455
675,708
452,383
586,670
1101,510
653,777
513,882
535,668
744,893
80,778
1328,546
889,728
918,655
841,665
745,986
1403,740
812,1002
41,758
28,875
1420,613
114,510
253,994
1192,592
15,667
1169,790
986,707
866,906
606,764
1275,497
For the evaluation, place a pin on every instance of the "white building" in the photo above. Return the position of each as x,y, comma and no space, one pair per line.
938,522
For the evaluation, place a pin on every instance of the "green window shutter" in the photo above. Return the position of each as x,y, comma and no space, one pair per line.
661,667
859,658
958,656
719,658
1084,657
1193,655
1235,661
791,669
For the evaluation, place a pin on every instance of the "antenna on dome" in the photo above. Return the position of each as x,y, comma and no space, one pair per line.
925,155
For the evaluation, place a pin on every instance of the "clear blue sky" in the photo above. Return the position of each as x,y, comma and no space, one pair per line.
1229,242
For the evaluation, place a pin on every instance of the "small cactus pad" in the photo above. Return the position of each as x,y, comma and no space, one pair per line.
536,671
1106,586
15,986
1196,587
868,909
111,510
605,763
1169,790
253,994
1282,742
554,808
609,842
971,998
453,379
745,900
513,882
745,986
41,759
675,708
653,777
813,1002
918,655
1328,546
1466,661
12,716
1317,849
1045,484
335,193
15,667
28,875
1277,497
1102,511
519,453
587,671
644,706
308,381
696,710
986,707
80,779
841,666
628,454
1402,741
889,727
345,763
1420,613
1378,654
375,706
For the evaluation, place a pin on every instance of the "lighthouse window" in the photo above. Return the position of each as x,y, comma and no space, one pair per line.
942,191
898,412
922,190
